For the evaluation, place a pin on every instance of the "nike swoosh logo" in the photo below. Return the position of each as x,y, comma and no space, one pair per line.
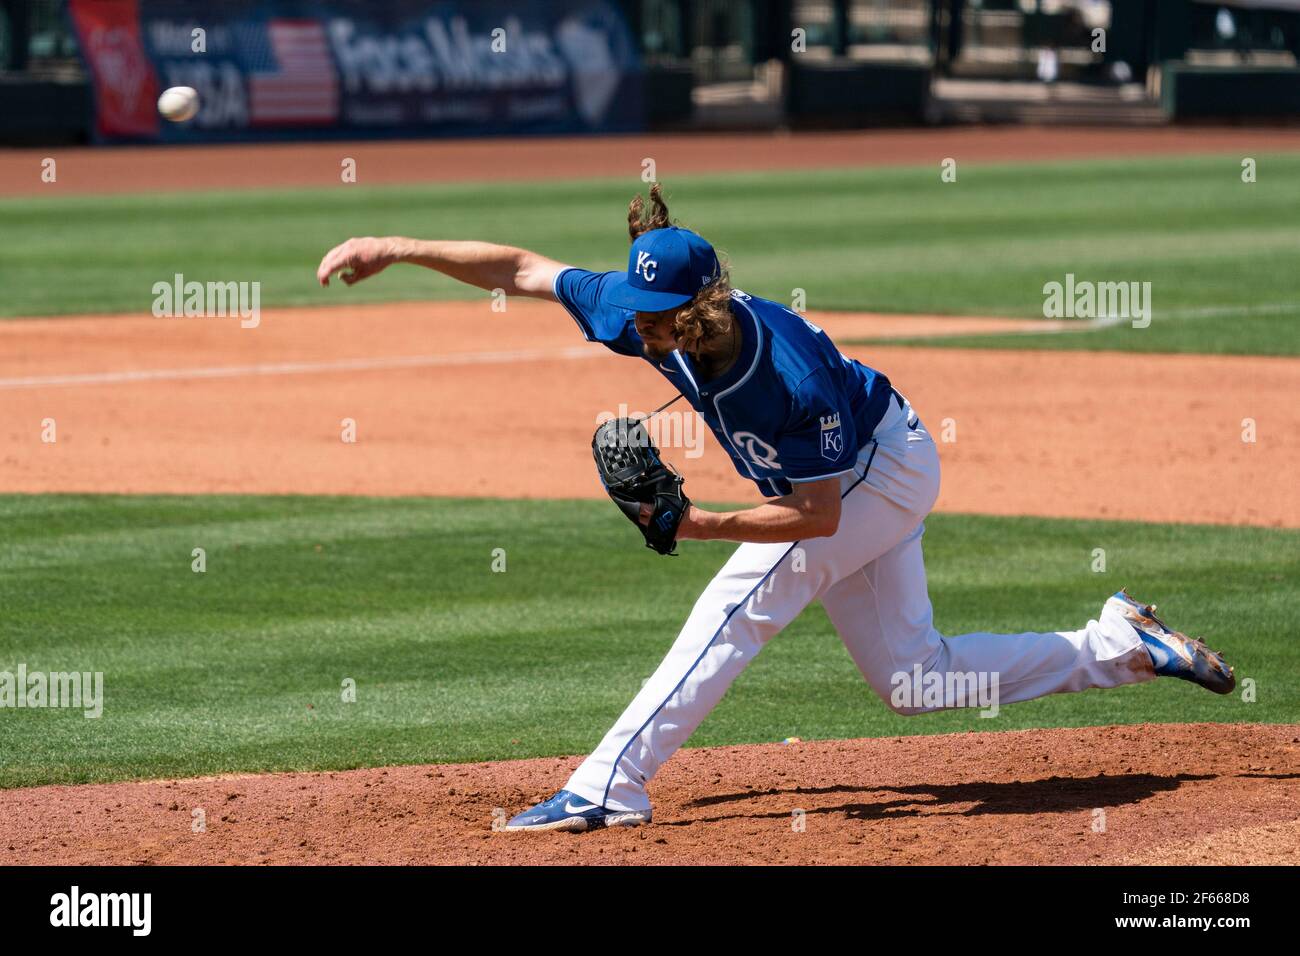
570,808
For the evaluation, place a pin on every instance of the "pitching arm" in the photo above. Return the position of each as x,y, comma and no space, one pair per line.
482,264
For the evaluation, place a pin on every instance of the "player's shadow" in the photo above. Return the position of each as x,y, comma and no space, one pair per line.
1270,776
1049,795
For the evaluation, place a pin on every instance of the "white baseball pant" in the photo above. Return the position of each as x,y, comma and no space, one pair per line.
870,577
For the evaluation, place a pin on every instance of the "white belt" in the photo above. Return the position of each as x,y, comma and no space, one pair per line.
898,413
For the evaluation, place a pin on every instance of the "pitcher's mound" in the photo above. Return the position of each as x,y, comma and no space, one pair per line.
1180,794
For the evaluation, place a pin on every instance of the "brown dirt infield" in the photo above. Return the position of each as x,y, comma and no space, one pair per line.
155,169
1189,794
448,396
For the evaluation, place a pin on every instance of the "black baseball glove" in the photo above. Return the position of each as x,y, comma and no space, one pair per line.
634,475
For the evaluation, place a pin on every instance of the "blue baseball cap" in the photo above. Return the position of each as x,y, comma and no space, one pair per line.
665,269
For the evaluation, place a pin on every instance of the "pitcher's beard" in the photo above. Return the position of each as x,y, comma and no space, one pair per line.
655,354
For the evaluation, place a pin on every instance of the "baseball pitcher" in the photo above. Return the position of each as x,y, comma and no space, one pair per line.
849,473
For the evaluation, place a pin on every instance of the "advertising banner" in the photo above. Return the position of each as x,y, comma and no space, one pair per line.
125,84
277,69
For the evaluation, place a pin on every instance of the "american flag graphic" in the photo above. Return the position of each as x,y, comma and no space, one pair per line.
299,85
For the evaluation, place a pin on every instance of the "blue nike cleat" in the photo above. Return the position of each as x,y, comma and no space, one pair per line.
568,811
1173,653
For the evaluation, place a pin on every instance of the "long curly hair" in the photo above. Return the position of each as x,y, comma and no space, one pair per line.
708,315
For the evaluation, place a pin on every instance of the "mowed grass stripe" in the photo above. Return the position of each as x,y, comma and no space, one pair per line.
886,239
240,668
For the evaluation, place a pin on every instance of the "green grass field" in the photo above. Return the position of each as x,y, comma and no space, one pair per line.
1270,331
1220,254
240,667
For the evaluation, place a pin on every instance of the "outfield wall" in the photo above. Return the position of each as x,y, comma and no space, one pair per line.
1193,92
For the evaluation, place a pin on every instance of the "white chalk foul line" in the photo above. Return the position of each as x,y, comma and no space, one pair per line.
299,368
1106,321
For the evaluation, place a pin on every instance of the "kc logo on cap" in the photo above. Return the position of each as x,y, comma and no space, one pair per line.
665,269
645,266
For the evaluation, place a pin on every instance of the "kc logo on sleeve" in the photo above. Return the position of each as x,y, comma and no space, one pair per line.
832,436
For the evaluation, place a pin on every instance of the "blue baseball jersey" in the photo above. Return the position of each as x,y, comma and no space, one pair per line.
791,408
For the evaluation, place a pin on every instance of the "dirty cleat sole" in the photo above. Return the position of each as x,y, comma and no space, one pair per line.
1173,653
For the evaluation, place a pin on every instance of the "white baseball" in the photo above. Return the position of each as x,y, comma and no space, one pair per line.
179,103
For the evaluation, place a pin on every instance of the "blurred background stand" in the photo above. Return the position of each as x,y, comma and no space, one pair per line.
662,64
44,89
